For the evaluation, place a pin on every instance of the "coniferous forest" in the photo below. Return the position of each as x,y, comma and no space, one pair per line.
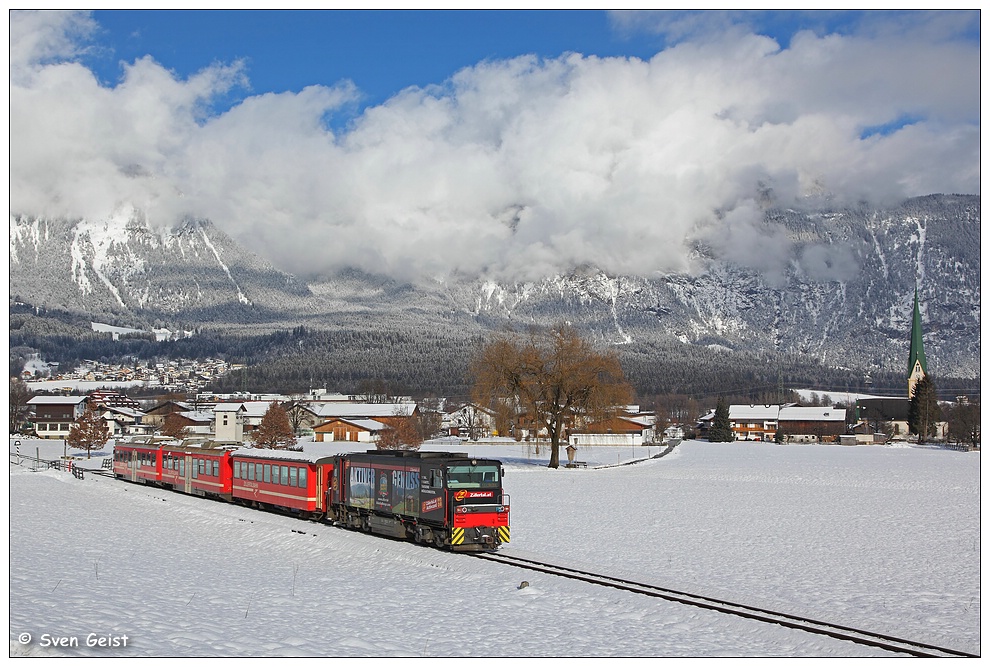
435,362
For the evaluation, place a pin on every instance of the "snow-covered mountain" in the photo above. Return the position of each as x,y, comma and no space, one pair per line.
835,285
120,264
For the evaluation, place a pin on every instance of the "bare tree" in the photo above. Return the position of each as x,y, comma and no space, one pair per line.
274,431
20,394
88,432
401,432
296,411
964,423
553,378
173,427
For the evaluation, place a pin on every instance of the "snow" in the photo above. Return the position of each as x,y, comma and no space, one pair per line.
884,538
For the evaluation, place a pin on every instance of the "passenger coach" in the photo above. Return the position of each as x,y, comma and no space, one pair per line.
281,479
201,469
138,462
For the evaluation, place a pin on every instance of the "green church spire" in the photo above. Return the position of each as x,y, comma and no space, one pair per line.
917,363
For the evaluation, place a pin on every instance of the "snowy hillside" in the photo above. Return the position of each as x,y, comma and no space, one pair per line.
882,538
121,263
833,286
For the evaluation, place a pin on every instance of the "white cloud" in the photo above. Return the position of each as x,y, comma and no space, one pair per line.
518,167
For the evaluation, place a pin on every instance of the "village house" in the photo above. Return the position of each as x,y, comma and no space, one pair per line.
156,415
228,422
469,421
53,415
122,421
349,430
761,422
390,414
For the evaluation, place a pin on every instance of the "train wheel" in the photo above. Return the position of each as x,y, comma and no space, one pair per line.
438,540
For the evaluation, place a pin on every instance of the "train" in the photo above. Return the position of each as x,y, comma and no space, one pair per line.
448,500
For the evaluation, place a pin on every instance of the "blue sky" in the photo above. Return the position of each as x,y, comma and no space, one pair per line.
384,51
511,144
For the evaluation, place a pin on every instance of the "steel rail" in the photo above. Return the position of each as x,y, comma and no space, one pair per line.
841,632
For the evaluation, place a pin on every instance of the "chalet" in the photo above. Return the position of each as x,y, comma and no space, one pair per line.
622,429
389,414
156,415
349,430
124,421
469,421
761,422
112,399
196,422
884,413
53,415
818,423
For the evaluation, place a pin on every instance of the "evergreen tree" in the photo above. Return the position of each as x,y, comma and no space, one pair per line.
721,429
88,432
924,412
274,431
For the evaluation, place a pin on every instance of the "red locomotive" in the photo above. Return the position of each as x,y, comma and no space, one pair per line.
441,498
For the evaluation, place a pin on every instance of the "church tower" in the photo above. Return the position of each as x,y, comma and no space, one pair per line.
917,364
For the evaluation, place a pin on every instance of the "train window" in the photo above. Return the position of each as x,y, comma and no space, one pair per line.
216,468
250,472
182,467
461,477
436,478
244,470
293,476
268,472
195,469
237,470
285,475
302,478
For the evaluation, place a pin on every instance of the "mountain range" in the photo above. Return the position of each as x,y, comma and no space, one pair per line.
831,285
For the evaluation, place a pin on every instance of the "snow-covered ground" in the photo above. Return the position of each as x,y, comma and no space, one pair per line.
884,538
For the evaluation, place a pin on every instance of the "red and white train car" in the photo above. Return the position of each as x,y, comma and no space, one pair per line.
202,469
138,461
281,479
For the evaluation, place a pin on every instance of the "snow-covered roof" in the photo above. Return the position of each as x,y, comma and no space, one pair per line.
753,412
256,408
816,414
56,400
366,410
281,454
126,412
198,415
229,407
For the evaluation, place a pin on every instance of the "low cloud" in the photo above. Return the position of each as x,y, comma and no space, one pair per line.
516,168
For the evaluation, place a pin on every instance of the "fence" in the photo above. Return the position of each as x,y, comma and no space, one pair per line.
37,463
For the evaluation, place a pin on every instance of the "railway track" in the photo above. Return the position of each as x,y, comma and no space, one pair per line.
841,632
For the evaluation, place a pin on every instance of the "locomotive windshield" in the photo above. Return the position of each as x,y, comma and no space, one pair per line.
472,477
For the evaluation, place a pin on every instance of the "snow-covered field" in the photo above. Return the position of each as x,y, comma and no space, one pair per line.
884,538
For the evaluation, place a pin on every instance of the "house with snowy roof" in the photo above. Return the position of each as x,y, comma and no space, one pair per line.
761,422
53,415
349,430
